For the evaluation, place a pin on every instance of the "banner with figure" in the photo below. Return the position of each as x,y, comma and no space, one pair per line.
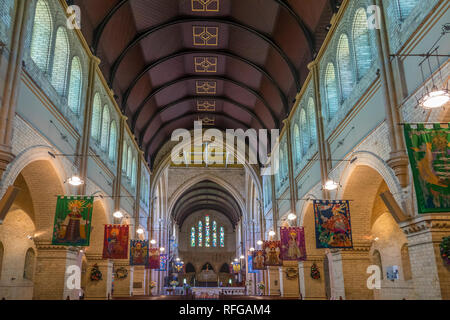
293,244
153,259
429,155
258,260
73,217
138,252
272,252
333,227
163,258
115,244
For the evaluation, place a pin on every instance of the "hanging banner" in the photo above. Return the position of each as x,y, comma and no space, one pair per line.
250,264
236,267
153,259
272,253
72,226
429,155
332,221
138,252
293,244
163,258
258,260
115,245
179,266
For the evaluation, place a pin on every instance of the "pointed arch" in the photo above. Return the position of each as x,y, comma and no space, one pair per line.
133,172
28,269
42,35
96,118
129,161
113,141
331,92
297,144
124,158
106,118
344,67
361,42
75,86
60,61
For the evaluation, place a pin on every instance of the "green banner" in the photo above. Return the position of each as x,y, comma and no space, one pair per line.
73,221
429,153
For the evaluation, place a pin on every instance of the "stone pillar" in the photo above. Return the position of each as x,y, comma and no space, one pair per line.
289,285
50,278
11,84
351,267
102,289
139,279
273,281
431,277
312,289
123,287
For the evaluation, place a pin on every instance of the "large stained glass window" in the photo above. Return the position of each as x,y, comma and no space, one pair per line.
193,237
200,234
214,234
222,237
207,232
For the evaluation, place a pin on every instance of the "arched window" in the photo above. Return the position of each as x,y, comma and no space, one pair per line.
28,269
297,144
60,61
124,157
362,53
113,141
129,162
96,117
406,263
193,237
331,91
200,234
222,237
214,234
312,121
42,34
281,169
405,7
75,86
133,173
305,131
207,232
105,128
376,260
345,67
2,250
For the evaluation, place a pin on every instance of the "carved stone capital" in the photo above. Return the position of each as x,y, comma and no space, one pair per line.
399,163
6,157
427,223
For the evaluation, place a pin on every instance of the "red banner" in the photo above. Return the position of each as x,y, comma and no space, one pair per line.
115,245
153,259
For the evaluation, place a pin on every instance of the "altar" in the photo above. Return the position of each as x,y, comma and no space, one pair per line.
215,292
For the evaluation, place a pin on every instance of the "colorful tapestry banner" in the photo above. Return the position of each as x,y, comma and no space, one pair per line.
332,220
73,217
293,244
250,264
429,155
138,252
179,266
236,267
154,261
272,253
163,258
115,245
258,260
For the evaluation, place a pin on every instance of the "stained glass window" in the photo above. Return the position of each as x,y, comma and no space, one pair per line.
214,234
200,234
207,232
193,237
222,237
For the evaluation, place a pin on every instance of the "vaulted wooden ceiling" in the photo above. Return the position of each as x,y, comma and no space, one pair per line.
230,63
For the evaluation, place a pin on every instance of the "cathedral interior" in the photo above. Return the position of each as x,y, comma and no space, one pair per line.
224,149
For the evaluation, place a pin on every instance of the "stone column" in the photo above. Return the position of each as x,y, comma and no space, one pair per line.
50,278
431,277
351,268
139,278
11,84
273,281
123,287
99,290
312,289
289,285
